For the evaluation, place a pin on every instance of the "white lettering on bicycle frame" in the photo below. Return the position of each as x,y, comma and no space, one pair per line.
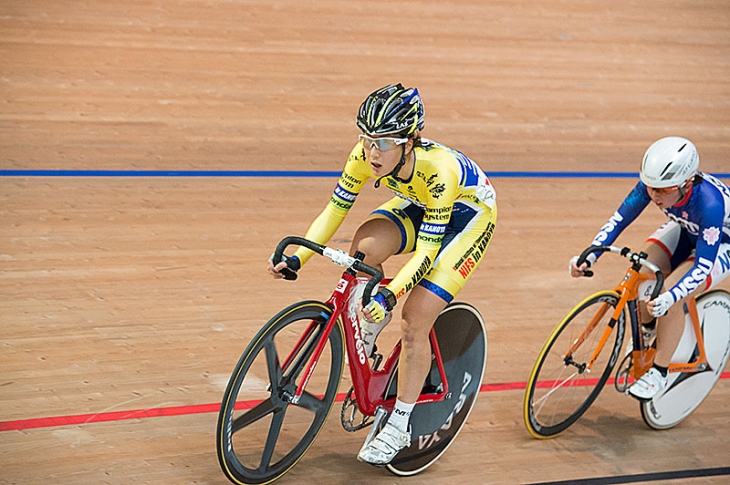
359,345
341,286
429,440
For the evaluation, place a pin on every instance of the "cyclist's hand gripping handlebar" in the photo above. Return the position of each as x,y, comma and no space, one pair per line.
336,255
583,258
638,260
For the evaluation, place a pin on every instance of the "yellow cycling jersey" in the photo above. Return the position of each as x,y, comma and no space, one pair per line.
442,177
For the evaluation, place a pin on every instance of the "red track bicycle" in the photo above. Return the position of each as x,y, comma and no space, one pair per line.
287,380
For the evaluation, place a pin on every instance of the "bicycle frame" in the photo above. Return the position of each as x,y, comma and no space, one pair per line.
370,385
628,291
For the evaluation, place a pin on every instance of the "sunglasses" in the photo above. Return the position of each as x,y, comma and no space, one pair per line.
382,144
664,190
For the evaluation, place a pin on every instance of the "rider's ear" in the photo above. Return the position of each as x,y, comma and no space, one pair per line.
410,144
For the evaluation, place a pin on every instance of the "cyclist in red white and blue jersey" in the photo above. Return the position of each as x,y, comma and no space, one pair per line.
692,248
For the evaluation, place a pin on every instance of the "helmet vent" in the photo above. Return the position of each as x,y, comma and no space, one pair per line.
682,148
665,169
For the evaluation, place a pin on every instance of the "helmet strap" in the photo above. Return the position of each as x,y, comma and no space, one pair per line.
394,173
684,193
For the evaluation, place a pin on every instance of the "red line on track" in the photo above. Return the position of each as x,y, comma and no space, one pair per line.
21,424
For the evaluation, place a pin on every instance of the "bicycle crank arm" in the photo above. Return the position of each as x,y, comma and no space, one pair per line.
380,415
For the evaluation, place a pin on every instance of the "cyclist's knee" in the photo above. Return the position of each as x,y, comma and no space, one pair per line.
657,255
378,239
414,330
420,312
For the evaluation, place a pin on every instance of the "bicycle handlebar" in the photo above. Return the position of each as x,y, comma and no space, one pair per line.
636,258
337,256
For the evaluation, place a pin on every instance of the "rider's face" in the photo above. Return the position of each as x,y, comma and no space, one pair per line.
666,197
382,162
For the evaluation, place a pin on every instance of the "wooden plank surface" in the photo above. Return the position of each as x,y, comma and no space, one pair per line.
126,294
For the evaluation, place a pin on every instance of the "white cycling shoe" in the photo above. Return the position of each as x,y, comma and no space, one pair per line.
648,385
383,448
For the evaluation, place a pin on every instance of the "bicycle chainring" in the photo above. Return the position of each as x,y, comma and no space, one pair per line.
623,372
349,407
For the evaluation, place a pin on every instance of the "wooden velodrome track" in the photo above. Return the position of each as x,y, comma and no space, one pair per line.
128,296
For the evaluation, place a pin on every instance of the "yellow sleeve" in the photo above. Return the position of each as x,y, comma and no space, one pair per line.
441,192
353,177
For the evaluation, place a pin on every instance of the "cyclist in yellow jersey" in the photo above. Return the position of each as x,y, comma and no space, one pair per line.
444,213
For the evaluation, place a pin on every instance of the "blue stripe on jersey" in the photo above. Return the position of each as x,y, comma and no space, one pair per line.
437,290
344,194
469,170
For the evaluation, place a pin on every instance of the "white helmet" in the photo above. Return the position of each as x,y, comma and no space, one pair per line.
668,162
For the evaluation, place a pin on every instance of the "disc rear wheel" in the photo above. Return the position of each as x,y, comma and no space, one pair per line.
686,390
462,340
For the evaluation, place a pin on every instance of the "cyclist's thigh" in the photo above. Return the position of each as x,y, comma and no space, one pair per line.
668,247
462,249
391,229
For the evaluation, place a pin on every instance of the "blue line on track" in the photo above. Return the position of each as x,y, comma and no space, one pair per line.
285,173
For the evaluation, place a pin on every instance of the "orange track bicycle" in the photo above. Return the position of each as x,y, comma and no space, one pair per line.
287,380
578,357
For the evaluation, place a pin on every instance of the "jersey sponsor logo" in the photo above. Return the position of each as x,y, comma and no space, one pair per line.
608,228
438,213
340,204
694,279
349,181
422,270
433,228
691,227
435,240
711,235
437,190
468,262
344,194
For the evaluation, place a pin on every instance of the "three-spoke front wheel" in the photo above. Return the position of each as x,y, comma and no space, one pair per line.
570,372
263,430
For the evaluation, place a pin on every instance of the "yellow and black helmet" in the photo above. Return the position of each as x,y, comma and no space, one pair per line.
391,110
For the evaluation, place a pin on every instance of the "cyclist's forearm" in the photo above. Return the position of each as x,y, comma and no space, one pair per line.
321,230
413,271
